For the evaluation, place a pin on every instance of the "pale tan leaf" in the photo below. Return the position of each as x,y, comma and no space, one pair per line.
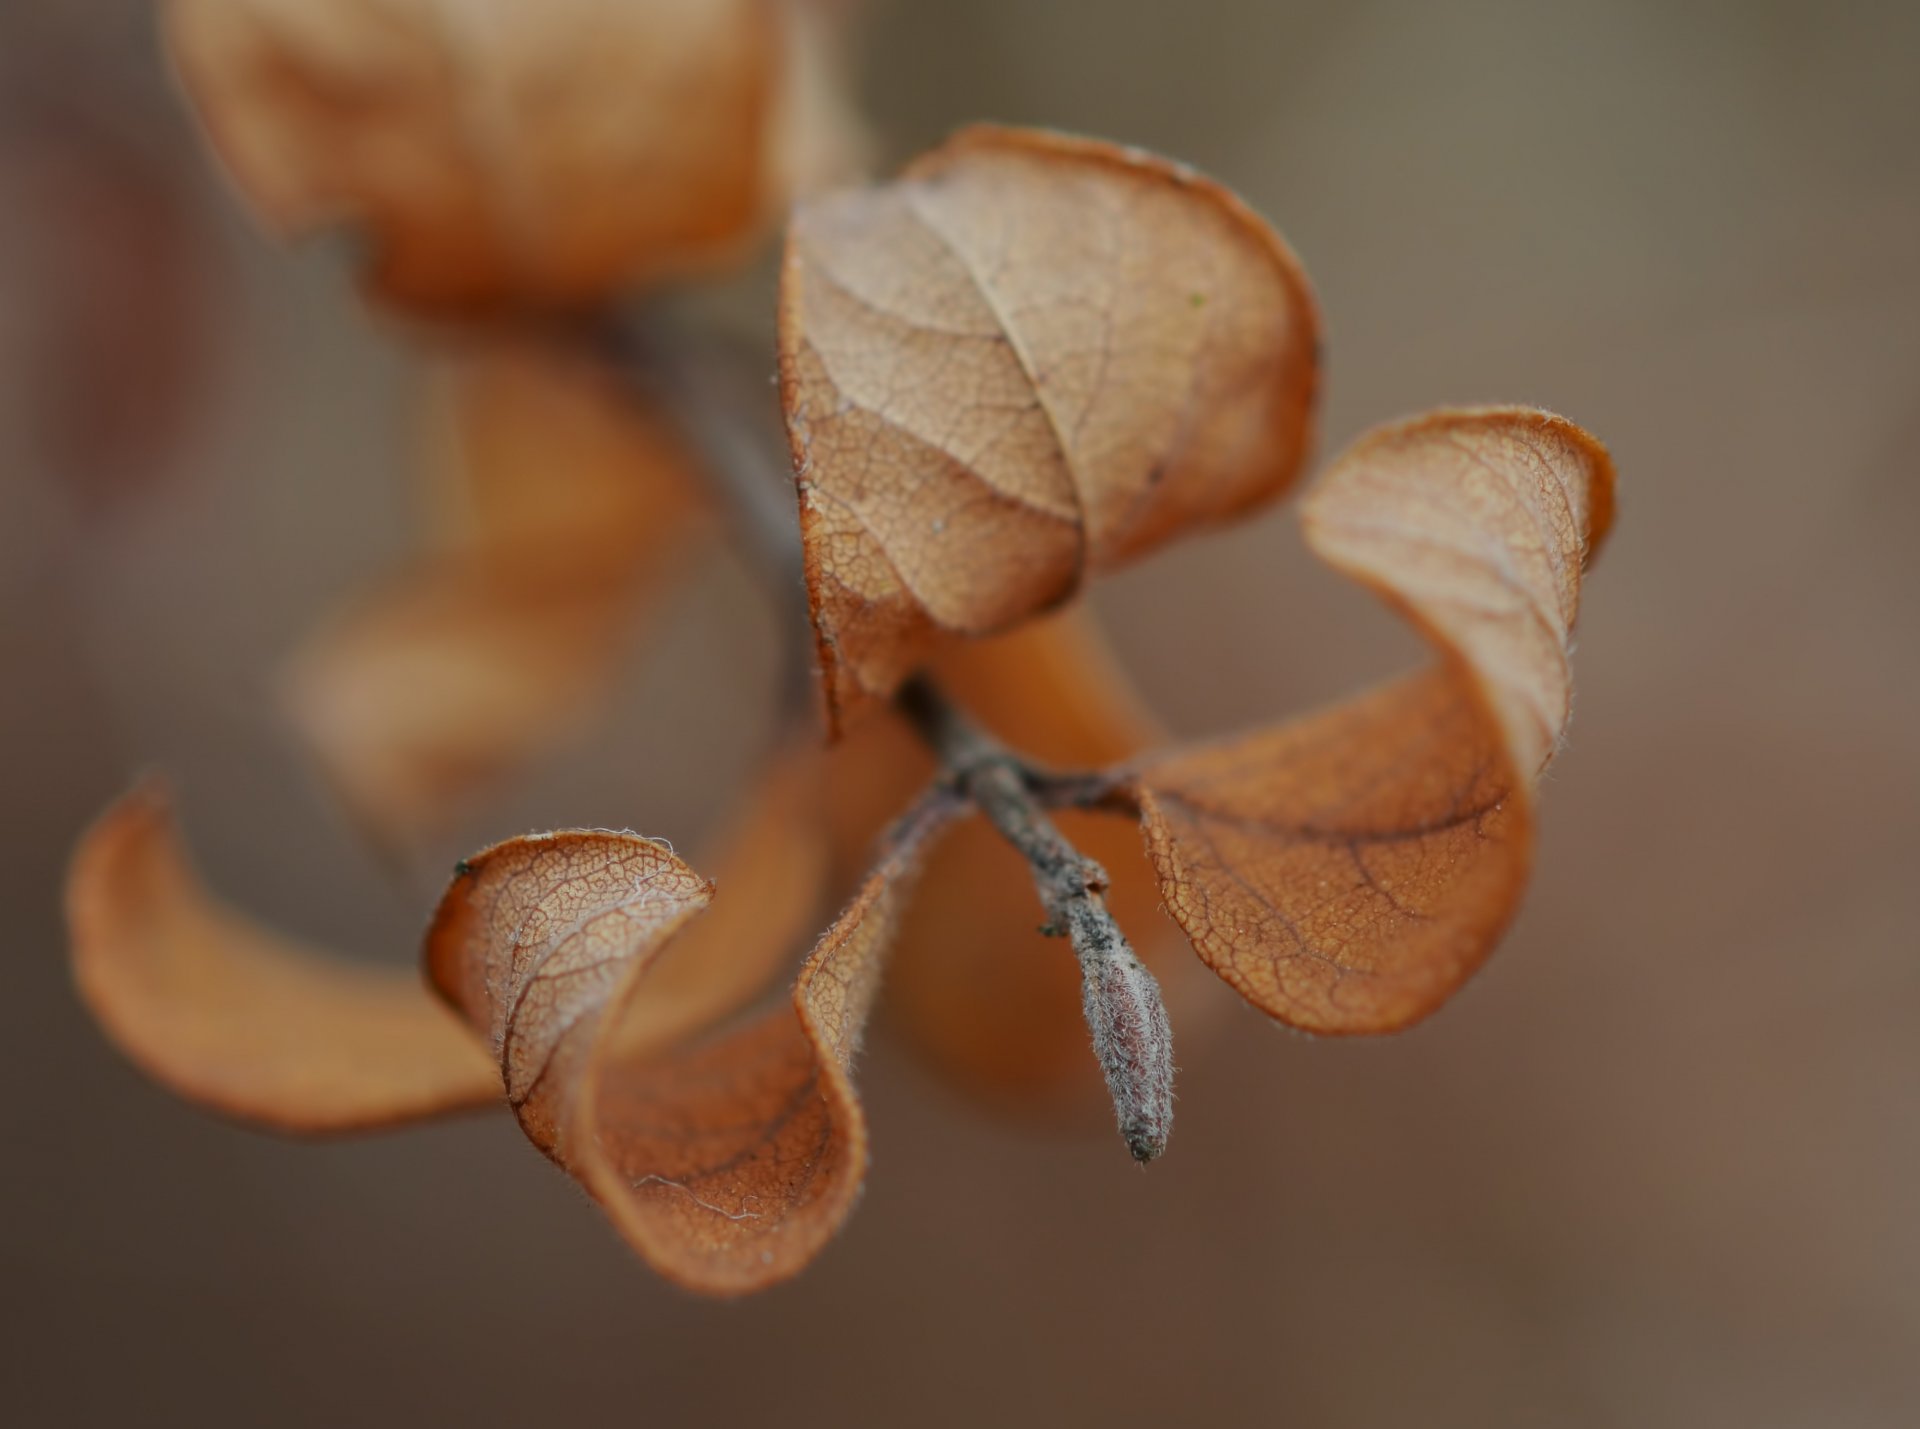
1029,359
1348,872
237,1018
493,155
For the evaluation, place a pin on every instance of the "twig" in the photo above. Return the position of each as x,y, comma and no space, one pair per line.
699,384
1132,1039
705,384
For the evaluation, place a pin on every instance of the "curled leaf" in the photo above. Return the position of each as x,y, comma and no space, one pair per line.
233,1016
732,1164
726,1162
566,507
1347,873
1027,360
608,998
493,155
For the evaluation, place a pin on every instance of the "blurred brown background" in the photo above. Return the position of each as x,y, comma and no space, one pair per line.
1660,1165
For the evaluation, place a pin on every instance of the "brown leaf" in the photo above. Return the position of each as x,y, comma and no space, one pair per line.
493,155
727,1159
239,1019
727,1163
1348,872
568,508
1029,359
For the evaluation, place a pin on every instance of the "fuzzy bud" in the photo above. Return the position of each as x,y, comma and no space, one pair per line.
1131,1036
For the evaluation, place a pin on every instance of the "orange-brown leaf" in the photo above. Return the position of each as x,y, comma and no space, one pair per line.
1349,872
1027,360
565,507
493,155
238,1018
727,1162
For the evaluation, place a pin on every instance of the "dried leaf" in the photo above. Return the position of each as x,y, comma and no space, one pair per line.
1029,359
237,1018
570,508
493,155
1349,872
727,1159
726,1163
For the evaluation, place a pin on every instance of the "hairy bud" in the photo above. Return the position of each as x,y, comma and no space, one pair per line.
1131,1036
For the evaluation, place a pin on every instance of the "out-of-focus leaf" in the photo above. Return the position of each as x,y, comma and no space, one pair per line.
537,448
1349,872
120,331
819,138
568,507
240,1019
449,677
1028,359
494,155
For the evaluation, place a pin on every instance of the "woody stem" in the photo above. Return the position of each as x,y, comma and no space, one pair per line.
1132,1038
700,382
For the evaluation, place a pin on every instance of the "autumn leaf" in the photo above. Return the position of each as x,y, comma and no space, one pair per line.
1349,872
1029,359
611,993
564,507
492,155
237,1018
727,1162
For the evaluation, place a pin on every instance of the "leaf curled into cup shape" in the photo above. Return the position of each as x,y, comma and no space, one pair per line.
726,1160
1348,872
1028,359
494,155
240,1019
